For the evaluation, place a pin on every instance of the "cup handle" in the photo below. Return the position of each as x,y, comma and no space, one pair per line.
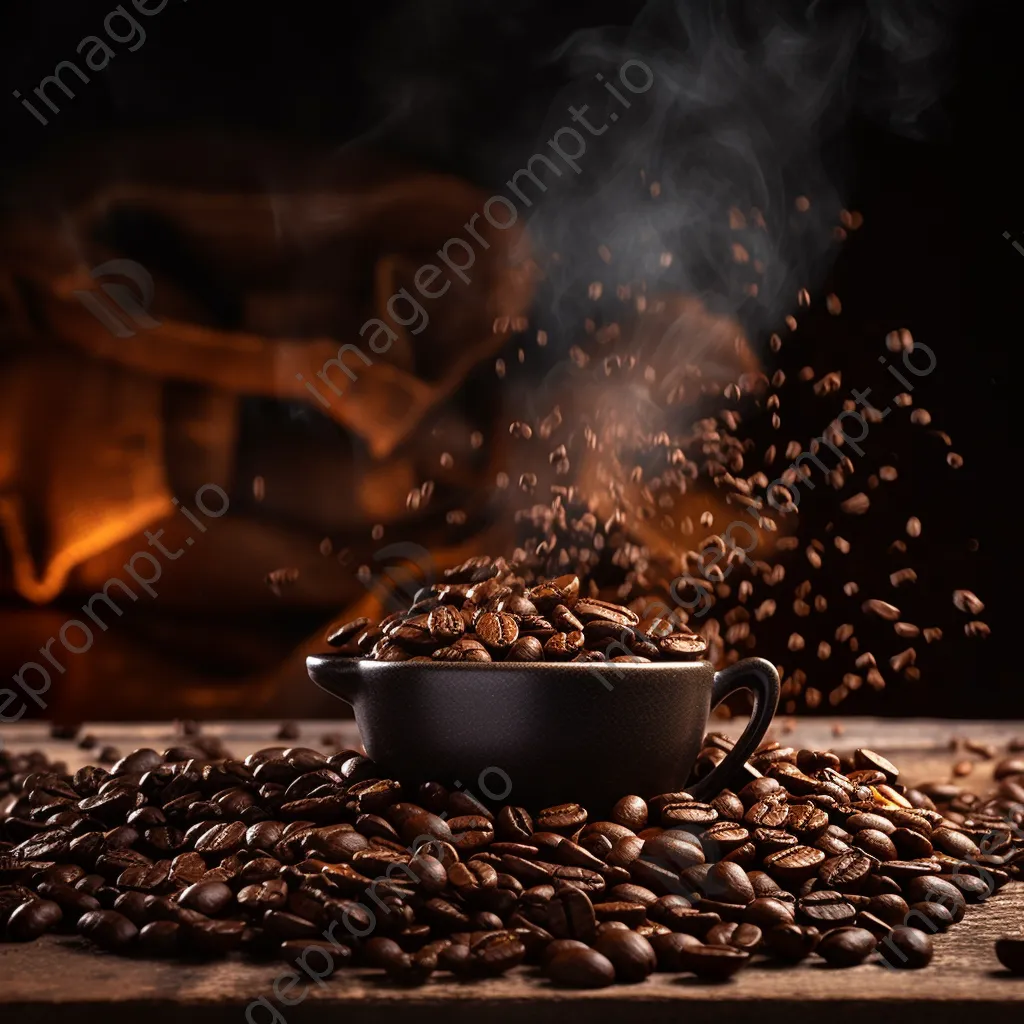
758,676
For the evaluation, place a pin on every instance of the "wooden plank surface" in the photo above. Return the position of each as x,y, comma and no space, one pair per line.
60,979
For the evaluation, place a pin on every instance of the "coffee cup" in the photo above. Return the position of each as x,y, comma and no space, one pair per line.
558,731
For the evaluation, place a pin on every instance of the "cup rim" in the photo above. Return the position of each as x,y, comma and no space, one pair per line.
489,666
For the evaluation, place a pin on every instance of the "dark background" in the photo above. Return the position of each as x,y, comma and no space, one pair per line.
460,86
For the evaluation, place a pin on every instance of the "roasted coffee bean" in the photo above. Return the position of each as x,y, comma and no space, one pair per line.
526,648
868,760
564,818
728,883
412,633
630,954
740,936
33,918
590,882
765,814
563,646
160,939
581,968
630,812
498,631
974,889
628,892
826,909
723,838
1010,951
767,912
833,841
890,908
513,824
668,947
213,937
656,877
806,822
395,650
470,833
846,947
564,620
846,872
563,590
688,812
445,624
108,929
134,906
875,843
670,851
904,870
956,844
929,917
591,609
423,824
462,650
791,942
268,895
729,806
207,897
472,878
341,635
494,953
911,844
714,963
864,820
63,874
765,885
682,646
811,761
906,948
569,914
72,903
794,864
556,946
771,840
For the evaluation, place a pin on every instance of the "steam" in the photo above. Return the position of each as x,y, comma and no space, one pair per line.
747,112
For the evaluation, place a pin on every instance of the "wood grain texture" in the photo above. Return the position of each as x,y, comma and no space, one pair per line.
60,979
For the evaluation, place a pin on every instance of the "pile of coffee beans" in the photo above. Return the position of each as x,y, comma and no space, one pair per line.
184,854
483,611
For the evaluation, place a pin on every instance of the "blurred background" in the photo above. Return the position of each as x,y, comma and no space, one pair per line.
279,172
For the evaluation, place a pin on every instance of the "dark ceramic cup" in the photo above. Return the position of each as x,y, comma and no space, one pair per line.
556,731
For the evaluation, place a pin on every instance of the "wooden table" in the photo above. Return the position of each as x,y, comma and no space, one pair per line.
60,980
